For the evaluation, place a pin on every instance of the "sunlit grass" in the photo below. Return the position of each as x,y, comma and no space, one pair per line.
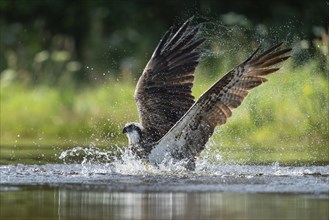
48,114
284,120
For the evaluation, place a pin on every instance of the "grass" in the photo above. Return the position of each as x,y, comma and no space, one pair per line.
285,120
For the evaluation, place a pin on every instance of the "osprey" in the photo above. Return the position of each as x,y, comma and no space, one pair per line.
174,127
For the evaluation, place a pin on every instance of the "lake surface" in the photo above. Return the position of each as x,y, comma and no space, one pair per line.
133,190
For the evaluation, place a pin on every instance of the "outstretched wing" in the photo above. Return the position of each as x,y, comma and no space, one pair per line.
190,134
163,93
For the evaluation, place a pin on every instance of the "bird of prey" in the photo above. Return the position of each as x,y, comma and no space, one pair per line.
172,125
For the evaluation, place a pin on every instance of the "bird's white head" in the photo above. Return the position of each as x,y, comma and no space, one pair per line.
134,132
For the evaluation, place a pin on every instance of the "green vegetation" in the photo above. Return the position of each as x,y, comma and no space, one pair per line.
285,120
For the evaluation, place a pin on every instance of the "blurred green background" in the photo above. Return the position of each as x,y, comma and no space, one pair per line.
68,71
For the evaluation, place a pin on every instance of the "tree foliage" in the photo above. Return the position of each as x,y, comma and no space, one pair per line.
53,41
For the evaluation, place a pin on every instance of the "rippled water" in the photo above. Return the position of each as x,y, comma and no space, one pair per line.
127,188
221,178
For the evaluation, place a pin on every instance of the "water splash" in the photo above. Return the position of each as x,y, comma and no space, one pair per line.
123,161
85,155
127,163
89,168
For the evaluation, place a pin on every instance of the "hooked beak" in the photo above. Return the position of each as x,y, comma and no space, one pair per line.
124,131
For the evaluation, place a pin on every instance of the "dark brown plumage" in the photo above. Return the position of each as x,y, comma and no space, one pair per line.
164,91
172,125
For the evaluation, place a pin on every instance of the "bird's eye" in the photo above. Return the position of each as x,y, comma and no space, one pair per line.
132,126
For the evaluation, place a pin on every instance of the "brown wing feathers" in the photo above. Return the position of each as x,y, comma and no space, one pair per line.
229,92
165,102
163,93
216,105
